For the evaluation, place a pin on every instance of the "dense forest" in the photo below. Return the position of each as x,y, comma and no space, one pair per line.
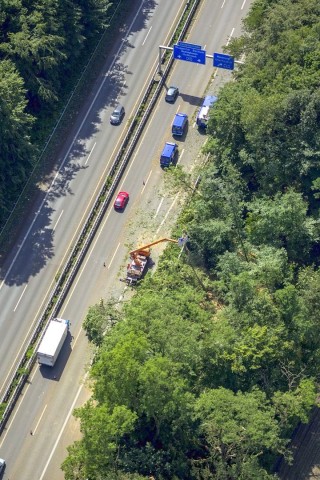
43,44
206,372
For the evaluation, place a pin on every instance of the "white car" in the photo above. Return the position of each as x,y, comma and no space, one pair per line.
2,465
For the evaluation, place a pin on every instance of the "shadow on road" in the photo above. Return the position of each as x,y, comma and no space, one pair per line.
191,99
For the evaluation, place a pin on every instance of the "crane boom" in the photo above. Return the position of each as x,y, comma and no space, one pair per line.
145,249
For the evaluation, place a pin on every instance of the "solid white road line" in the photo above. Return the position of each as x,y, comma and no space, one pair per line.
35,429
158,209
54,228
87,259
244,2
77,338
90,153
180,156
145,182
15,308
166,215
115,253
144,41
230,36
224,1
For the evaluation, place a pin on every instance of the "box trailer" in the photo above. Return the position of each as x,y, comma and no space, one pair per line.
203,113
52,341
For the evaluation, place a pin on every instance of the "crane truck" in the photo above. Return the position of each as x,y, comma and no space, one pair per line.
52,341
139,260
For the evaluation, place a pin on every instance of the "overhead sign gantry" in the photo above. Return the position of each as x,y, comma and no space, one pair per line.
194,53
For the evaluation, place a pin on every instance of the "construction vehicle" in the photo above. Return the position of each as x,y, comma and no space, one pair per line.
139,260
52,341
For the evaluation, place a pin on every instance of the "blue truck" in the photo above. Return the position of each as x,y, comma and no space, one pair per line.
179,124
203,114
168,155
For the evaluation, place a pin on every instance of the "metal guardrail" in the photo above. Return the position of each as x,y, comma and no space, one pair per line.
92,223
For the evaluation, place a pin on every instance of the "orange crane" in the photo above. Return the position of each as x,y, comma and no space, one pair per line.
139,259
145,250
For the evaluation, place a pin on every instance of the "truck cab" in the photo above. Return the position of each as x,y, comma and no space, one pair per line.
179,124
168,155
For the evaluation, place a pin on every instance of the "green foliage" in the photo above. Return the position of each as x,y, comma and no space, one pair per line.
235,428
117,371
103,431
295,405
99,319
282,221
15,127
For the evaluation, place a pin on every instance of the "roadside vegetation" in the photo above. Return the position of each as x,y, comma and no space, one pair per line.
207,371
44,46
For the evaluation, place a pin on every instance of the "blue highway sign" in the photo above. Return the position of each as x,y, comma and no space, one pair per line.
189,53
221,60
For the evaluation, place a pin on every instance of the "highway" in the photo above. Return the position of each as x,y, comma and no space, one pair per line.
49,398
64,199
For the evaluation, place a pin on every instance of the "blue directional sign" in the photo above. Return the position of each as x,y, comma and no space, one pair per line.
221,60
189,53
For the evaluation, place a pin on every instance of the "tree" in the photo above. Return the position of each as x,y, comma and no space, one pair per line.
295,405
236,429
15,127
268,266
165,402
282,222
99,319
99,450
117,371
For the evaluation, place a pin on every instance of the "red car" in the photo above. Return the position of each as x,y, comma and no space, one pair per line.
121,200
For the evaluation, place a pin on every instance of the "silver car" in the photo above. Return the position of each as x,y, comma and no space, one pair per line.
172,94
117,115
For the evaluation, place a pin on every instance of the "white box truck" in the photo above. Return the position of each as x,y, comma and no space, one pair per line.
52,341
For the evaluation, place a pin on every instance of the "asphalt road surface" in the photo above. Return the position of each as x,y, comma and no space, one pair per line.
47,401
